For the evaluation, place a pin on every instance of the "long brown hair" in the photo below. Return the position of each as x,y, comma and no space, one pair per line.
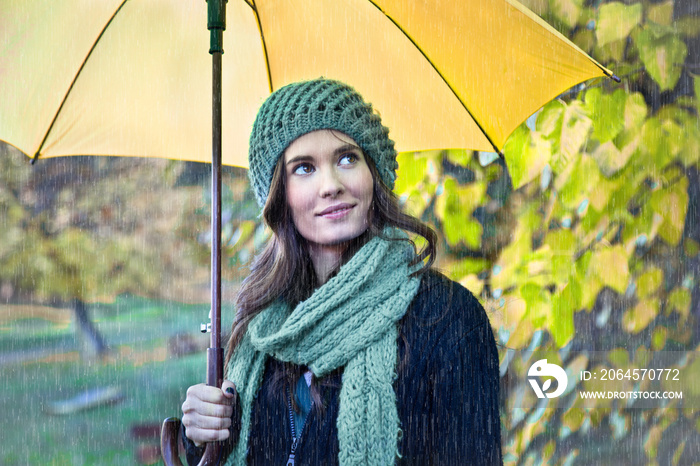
283,270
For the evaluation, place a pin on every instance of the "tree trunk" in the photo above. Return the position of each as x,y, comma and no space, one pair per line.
89,338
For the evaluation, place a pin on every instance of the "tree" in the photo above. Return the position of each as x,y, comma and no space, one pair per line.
78,230
592,258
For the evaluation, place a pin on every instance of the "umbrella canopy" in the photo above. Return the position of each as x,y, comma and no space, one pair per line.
130,78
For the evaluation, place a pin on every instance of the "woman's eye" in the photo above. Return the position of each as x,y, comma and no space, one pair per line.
348,159
303,169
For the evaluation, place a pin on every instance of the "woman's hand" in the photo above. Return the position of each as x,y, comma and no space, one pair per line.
207,412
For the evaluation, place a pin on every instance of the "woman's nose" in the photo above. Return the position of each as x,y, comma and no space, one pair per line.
331,185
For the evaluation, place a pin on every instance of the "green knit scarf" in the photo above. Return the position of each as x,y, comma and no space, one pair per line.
351,322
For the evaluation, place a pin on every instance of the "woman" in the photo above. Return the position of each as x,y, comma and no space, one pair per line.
347,348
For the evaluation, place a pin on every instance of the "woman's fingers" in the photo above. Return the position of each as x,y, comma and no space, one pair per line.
206,409
206,414
207,394
200,436
198,421
229,389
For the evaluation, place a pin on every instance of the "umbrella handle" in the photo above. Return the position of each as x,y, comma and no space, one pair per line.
169,437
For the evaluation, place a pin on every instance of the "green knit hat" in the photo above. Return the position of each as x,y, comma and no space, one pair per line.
302,107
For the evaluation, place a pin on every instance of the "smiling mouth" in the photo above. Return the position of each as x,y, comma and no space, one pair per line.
336,211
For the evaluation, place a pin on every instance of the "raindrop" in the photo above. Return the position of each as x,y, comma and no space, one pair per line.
566,222
496,270
497,293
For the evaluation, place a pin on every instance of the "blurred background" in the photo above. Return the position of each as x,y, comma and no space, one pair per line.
587,249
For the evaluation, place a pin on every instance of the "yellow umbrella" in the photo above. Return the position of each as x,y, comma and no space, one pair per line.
118,77
115,77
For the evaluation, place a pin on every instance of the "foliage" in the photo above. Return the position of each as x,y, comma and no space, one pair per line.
242,229
596,248
88,228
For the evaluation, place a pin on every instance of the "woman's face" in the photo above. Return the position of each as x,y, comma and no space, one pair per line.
328,187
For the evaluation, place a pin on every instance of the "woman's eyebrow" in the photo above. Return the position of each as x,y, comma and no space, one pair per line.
300,158
309,158
346,148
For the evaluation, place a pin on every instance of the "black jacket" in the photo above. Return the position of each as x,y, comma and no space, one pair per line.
446,391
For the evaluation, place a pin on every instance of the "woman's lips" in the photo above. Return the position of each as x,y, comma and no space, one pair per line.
336,211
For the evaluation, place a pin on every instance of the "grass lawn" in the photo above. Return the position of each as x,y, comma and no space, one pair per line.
152,382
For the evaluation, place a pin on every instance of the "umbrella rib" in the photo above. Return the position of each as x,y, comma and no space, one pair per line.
449,86
72,84
254,7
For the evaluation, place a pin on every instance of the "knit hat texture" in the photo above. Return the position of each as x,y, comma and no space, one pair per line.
306,106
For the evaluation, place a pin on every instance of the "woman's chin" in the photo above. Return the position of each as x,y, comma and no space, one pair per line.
339,239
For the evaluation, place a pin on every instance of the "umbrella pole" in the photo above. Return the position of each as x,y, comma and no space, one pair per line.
215,353
216,23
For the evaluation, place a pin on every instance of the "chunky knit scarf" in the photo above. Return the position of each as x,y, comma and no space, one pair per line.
351,322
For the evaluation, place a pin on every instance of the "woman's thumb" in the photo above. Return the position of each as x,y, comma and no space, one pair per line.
229,389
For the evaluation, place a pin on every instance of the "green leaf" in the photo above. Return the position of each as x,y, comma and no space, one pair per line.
468,266
609,158
585,178
538,303
564,304
411,172
520,247
679,301
459,157
567,128
649,282
550,117
562,243
661,13
607,112
609,266
454,207
567,11
671,204
526,154
690,152
644,312
616,20
662,53
635,110
662,140
416,179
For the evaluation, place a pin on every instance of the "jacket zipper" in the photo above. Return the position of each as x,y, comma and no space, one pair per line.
296,441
